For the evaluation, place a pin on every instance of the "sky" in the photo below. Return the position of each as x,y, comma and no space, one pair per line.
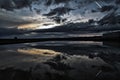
34,15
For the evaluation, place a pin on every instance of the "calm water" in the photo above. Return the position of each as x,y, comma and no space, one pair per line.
61,60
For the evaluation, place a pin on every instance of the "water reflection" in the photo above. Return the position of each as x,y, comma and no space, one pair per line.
42,52
60,60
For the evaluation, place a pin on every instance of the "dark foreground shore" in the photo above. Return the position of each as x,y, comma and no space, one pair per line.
97,38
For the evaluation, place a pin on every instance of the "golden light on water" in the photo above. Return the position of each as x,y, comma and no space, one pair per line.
42,52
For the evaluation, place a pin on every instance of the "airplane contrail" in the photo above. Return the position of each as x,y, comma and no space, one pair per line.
98,4
13,3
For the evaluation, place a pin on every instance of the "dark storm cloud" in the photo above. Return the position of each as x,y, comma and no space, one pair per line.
5,29
6,4
13,4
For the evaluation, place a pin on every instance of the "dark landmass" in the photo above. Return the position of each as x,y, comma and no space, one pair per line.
111,37
16,41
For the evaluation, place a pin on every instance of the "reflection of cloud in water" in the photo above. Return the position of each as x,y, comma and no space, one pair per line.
83,66
42,52
46,64
78,61
63,43
24,58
